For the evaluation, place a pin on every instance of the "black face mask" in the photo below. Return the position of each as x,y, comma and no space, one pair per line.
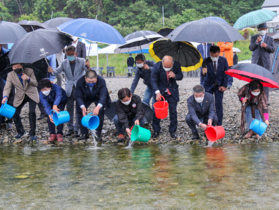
18,70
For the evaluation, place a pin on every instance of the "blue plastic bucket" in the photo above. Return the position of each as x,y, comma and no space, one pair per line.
258,126
7,110
60,118
90,121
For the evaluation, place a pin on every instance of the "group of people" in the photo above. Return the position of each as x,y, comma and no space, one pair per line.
83,87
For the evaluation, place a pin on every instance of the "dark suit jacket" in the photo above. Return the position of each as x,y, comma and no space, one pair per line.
200,49
211,77
160,82
260,51
197,112
99,93
81,50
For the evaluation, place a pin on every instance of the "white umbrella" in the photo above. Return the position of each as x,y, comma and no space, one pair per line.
236,50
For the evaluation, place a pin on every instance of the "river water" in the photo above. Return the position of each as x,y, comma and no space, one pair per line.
142,177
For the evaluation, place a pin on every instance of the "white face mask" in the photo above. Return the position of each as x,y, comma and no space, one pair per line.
255,93
262,33
127,102
199,99
214,58
167,69
46,93
140,65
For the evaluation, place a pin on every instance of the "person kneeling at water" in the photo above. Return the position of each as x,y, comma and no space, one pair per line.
25,83
129,112
254,104
52,97
92,89
201,110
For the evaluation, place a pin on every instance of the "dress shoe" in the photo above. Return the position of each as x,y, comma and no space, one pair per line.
83,137
52,137
121,138
155,134
69,133
59,137
195,136
20,135
42,116
173,135
76,134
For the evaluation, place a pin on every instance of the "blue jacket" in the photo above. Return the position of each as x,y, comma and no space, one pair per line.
200,49
98,95
55,97
144,74
4,50
221,78
52,62
160,82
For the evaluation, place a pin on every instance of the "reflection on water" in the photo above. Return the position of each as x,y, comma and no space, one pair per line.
143,177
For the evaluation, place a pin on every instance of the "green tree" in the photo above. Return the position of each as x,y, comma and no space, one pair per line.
4,12
28,17
186,16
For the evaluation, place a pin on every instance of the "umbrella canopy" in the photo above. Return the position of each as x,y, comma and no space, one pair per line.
249,72
31,25
138,41
13,32
254,18
92,30
236,50
165,31
55,22
205,30
37,45
216,19
185,53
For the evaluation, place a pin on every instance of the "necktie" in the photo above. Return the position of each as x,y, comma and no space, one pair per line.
215,67
168,91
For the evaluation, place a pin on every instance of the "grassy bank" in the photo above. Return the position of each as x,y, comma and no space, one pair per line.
119,61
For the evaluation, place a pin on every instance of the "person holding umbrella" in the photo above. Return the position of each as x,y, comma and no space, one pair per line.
74,68
163,80
24,80
216,81
3,50
52,97
253,103
262,46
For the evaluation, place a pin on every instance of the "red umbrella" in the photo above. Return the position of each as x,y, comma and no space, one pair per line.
249,72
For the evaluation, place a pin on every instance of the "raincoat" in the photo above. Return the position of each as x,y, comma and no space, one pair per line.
226,50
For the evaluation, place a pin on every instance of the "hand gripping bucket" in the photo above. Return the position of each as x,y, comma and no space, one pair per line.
215,133
60,117
258,126
90,121
161,109
140,134
7,110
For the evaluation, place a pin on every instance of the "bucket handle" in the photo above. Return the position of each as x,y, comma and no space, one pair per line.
52,112
163,99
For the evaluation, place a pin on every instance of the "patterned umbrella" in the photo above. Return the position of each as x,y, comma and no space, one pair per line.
254,18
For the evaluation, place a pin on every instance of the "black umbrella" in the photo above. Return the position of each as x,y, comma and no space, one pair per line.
55,22
111,111
205,30
183,52
10,32
31,25
165,31
40,69
249,72
37,45
137,41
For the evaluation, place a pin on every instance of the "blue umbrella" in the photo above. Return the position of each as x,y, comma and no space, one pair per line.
92,30
217,19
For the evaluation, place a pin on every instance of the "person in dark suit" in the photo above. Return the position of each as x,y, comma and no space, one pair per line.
80,47
201,110
262,45
163,80
216,80
130,61
204,51
92,89
129,112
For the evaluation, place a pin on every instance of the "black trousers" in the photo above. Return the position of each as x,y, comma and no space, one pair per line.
51,125
84,130
218,103
32,117
41,107
204,120
172,114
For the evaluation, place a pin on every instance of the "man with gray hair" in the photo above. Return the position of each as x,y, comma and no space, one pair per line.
91,89
73,68
201,110
163,81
